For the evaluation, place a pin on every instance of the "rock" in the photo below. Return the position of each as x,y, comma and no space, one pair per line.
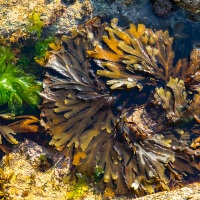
191,192
190,5
23,180
162,8
57,17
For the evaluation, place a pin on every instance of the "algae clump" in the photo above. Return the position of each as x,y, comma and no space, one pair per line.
16,87
37,24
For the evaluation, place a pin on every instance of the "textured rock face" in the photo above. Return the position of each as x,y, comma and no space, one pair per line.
190,5
56,14
162,8
191,192
24,179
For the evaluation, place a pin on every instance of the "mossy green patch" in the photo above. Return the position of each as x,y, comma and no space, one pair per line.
80,188
37,24
16,86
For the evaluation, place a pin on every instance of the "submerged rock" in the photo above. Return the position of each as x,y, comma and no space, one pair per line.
190,5
193,6
162,8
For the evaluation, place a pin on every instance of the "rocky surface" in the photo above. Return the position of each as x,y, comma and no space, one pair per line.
25,179
191,192
56,15
162,8
190,5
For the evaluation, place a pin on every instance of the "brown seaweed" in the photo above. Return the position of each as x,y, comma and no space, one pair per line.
134,49
140,148
10,125
175,101
77,109
25,124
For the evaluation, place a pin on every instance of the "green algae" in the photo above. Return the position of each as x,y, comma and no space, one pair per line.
41,50
37,24
16,86
79,189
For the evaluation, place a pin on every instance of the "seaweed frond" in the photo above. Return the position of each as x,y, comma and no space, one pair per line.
140,148
188,71
137,49
11,125
176,102
77,108
25,124
7,134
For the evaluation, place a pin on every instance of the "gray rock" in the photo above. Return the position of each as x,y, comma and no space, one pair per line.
190,5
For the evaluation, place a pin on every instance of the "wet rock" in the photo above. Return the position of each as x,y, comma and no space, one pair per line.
162,8
68,1
191,192
25,180
190,5
38,156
